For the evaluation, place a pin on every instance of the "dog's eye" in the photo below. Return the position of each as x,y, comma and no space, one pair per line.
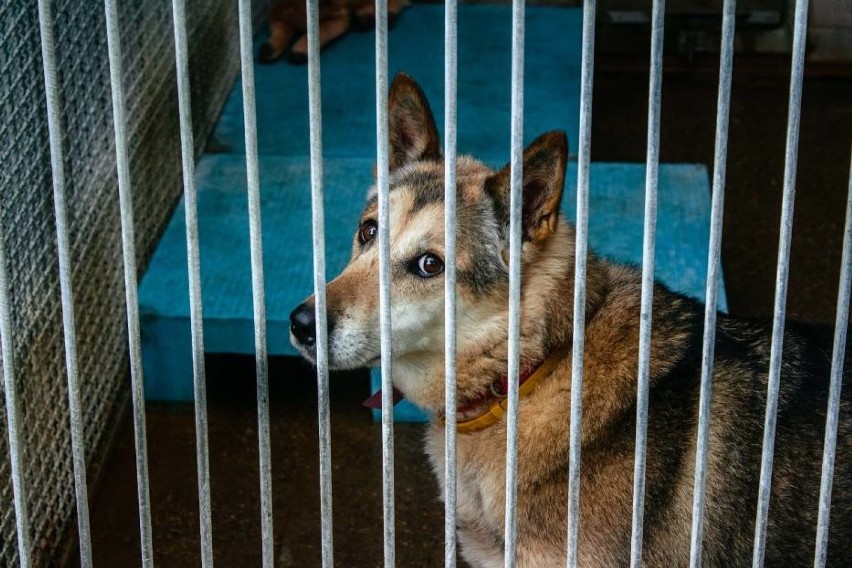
429,265
368,232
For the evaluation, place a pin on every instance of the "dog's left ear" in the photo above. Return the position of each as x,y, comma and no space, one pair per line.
412,133
543,180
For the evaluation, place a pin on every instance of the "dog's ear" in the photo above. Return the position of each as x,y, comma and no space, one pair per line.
412,133
543,181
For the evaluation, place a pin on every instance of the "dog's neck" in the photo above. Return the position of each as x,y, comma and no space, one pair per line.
546,323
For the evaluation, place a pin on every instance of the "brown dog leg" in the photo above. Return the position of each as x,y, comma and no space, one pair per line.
364,17
280,35
329,31
395,8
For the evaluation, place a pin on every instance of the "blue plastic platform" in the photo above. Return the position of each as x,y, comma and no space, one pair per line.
416,45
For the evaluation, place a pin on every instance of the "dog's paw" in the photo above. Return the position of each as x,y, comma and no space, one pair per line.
364,22
268,54
297,57
392,18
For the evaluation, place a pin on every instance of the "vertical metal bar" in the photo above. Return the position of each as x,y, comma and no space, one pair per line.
780,308
450,124
712,287
13,414
649,238
194,267
837,360
257,284
581,247
128,248
515,208
63,245
385,279
318,225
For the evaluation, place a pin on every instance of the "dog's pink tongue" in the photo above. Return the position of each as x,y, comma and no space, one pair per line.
375,401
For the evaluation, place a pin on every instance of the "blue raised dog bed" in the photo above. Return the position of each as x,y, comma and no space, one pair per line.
616,201
416,45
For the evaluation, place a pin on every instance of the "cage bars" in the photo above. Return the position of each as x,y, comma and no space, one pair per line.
13,414
647,296
128,250
723,108
194,274
47,24
515,219
318,239
450,192
257,283
837,360
63,246
780,306
382,185
580,268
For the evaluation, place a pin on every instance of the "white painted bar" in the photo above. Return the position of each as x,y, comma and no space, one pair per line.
581,247
515,210
450,137
63,246
187,145
131,275
780,308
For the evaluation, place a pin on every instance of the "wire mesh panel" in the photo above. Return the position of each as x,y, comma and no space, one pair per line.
26,213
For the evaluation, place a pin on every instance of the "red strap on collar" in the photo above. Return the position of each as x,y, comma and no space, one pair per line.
375,401
499,389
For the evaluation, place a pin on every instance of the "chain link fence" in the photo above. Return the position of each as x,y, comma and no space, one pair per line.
26,213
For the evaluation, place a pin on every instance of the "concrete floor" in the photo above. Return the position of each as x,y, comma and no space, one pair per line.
755,174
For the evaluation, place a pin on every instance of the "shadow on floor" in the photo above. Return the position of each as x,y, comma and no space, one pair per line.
357,478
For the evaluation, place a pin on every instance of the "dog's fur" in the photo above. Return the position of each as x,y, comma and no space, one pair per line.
610,368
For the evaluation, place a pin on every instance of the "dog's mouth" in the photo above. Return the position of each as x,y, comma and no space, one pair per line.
337,361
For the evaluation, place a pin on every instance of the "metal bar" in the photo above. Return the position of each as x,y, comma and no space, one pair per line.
837,361
194,272
128,249
13,414
63,245
713,264
780,308
318,225
450,193
382,183
257,284
648,242
581,247
515,209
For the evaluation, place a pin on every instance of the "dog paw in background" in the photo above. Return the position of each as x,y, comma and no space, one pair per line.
288,25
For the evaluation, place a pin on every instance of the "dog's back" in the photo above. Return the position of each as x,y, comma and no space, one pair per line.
741,369
740,387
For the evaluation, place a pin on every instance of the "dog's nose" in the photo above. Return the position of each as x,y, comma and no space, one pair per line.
303,324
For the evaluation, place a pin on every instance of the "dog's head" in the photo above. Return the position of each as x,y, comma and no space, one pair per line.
416,212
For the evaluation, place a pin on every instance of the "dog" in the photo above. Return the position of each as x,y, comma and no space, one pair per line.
288,25
739,382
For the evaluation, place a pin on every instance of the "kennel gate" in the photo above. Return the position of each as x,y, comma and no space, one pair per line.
47,28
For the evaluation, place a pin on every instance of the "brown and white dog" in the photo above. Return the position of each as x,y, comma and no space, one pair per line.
610,367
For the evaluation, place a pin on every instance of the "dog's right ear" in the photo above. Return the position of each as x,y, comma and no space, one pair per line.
412,133
543,181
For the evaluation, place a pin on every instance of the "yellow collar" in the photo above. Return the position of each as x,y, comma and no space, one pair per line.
500,406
